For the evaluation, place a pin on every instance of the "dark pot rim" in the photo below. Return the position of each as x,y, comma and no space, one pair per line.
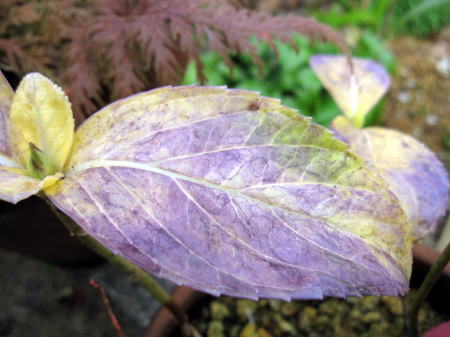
163,322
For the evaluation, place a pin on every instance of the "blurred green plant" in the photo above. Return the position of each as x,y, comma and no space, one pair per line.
289,76
364,14
420,18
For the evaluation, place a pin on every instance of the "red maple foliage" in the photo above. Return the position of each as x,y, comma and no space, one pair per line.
108,49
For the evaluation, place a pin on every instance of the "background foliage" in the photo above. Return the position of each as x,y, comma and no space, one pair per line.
287,74
420,18
105,50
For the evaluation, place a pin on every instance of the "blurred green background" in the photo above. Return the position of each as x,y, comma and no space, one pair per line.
288,76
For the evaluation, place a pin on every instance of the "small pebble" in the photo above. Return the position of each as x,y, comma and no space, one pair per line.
422,316
372,317
262,303
411,83
263,333
394,305
354,300
379,329
443,66
370,302
249,330
336,322
288,309
404,97
215,329
330,307
275,305
266,319
219,311
432,119
306,317
234,331
322,320
355,314
245,309
284,325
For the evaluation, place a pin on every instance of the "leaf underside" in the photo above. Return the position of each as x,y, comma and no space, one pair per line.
231,193
412,171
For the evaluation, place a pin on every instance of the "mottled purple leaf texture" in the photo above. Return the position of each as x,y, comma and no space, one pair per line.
231,193
414,174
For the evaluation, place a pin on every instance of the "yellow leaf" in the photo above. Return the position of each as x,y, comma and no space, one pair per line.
41,114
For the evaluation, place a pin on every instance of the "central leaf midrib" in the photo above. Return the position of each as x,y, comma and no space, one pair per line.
172,174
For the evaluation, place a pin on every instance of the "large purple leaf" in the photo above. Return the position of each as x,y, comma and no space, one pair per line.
231,193
411,170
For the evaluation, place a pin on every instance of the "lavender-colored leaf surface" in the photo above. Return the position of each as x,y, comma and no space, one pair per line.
411,170
15,186
231,193
6,97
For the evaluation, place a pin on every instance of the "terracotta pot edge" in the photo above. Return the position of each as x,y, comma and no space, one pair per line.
163,322
427,255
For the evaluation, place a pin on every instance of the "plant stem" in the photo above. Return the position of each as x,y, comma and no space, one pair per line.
431,278
137,273
405,307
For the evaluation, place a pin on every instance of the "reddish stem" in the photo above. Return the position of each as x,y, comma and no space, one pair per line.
111,314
